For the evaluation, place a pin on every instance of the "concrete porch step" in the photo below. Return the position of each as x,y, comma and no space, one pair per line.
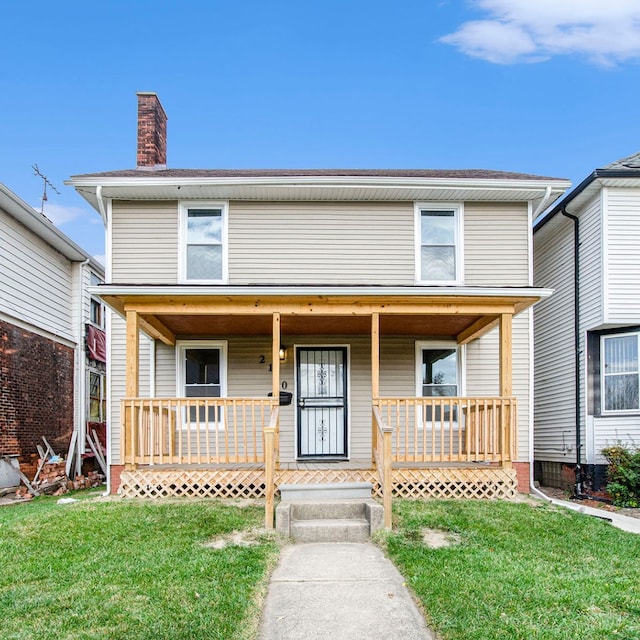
335,512
330,530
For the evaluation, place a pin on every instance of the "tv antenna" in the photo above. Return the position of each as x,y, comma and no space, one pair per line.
47,183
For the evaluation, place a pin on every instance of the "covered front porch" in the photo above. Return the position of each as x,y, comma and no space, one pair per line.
246,444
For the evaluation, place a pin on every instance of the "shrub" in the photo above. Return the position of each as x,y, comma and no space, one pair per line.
623,475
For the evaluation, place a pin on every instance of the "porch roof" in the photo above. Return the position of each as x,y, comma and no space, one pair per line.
461,313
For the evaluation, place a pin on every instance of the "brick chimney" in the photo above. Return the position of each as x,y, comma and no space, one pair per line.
152,132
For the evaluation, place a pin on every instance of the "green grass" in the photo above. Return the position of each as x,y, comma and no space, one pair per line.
519,571
128,569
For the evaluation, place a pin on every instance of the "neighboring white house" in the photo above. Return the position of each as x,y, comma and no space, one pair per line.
587,249
52,354
382,303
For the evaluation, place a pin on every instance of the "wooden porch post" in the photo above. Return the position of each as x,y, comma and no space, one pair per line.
271,432
275,359
375,377
131,385
375,355
506,355
506,386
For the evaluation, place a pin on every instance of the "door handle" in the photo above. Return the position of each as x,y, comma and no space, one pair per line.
301,403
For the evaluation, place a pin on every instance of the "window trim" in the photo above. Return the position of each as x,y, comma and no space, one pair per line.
603,399
181,347
102,395
192,205
94,301
458,210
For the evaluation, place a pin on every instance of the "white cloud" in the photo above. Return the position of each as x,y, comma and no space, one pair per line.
604,33
60,215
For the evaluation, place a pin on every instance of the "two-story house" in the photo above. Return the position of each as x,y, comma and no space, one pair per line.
304,326
587,391
52,355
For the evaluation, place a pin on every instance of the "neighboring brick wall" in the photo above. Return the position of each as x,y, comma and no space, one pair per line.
522,471
116,470
36,392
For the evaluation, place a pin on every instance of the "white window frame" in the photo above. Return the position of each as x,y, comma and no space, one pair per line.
460,365
191,205
94,301
102,395
181,347
603,401
458,210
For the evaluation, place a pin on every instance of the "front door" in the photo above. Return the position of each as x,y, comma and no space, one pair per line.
322,402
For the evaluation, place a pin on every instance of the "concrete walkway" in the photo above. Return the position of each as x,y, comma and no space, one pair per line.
339,591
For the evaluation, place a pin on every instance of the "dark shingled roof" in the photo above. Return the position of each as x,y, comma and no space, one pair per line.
471,174
630,162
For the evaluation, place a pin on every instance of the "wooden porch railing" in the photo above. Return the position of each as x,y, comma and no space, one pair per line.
446,429
381,444
440,429
194,430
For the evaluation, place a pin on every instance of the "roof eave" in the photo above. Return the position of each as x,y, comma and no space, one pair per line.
43,228
593,177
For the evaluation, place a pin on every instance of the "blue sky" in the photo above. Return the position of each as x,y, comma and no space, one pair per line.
549,87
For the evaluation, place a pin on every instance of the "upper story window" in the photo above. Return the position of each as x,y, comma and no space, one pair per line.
203,244
97,313
620,377
439,243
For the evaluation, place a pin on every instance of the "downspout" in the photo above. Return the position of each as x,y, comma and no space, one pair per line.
82,370
578,488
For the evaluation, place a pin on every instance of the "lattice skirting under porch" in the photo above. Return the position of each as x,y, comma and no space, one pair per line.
484,483
192,483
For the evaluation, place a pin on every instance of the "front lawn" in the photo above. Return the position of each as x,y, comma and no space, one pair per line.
518,571
129,569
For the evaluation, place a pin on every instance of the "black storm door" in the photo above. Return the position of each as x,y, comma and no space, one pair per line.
322,402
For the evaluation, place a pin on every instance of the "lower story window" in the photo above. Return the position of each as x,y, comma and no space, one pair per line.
97,397
438,376
202,369
620,377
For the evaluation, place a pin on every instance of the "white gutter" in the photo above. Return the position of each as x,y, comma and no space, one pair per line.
307,290
543,203
101,207
320,181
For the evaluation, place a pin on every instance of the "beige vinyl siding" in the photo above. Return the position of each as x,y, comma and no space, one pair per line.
554,322
591,262
321,243
554,389
483,377
496,244
623,250
35,280
611,431
145,242
116,382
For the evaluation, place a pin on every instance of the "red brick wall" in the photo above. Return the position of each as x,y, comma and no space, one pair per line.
522,471
116,470
36,392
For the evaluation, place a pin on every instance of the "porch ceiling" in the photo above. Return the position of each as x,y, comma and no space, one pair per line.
448,326
168,313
